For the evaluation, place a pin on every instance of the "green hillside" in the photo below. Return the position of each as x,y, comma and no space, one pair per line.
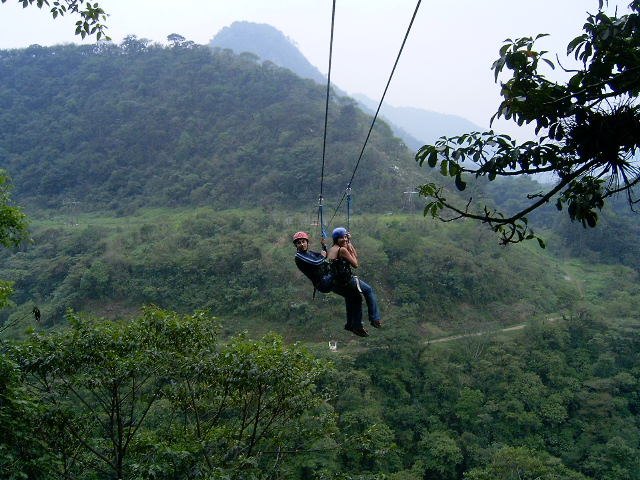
123,126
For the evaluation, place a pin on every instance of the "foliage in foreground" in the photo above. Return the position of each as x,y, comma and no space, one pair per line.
92,15
159,397
165,399
554,400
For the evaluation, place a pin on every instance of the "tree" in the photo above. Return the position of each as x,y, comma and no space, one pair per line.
179,42
588,130
13,229
91,15
441,455
522,463
159,394
22,455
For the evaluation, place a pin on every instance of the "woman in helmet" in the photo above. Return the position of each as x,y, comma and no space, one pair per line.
342,258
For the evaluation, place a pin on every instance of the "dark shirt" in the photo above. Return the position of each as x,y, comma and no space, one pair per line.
341,270
311,264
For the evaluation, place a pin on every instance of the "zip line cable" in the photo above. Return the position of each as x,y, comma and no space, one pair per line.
326,119
377,111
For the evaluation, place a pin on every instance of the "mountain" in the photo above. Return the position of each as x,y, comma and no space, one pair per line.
488,356
124,126
268,43
414,126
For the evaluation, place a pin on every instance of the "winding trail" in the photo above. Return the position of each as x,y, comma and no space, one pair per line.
477,334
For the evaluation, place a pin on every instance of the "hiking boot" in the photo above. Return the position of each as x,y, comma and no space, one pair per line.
360,331
375,323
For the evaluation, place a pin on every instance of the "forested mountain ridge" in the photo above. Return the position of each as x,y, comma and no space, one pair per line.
122,126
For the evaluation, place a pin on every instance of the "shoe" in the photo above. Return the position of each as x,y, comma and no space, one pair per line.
360,331
375,323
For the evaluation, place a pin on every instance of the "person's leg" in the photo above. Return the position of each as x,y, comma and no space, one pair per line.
370,298
347,306
354,312
353,306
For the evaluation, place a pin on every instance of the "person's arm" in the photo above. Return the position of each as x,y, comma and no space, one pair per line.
349,257
351,248
324,247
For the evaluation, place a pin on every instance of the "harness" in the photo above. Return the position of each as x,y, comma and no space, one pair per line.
340,270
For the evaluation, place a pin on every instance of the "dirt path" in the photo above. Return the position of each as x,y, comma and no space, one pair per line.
477,334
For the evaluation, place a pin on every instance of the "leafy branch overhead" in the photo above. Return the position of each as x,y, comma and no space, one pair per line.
91,15
588,130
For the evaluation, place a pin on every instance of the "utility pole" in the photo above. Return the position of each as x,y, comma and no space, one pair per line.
70,208
411,193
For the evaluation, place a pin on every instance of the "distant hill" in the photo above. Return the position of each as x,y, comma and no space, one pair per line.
413,125
132,125
424,126
268,43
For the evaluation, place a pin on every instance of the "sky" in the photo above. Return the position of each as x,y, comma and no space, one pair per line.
445,65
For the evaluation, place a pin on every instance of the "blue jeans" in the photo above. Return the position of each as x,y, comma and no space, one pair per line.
370,298
353,301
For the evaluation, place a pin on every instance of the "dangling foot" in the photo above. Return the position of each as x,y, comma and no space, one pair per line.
360,331
375,323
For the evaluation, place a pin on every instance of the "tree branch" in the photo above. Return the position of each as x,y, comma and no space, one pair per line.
486,218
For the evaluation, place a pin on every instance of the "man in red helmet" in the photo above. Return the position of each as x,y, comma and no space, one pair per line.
312,263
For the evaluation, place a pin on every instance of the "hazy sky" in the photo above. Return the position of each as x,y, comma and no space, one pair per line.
445,65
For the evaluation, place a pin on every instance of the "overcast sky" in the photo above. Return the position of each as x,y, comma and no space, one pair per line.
445,65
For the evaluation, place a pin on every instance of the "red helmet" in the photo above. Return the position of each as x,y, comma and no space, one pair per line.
300,235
